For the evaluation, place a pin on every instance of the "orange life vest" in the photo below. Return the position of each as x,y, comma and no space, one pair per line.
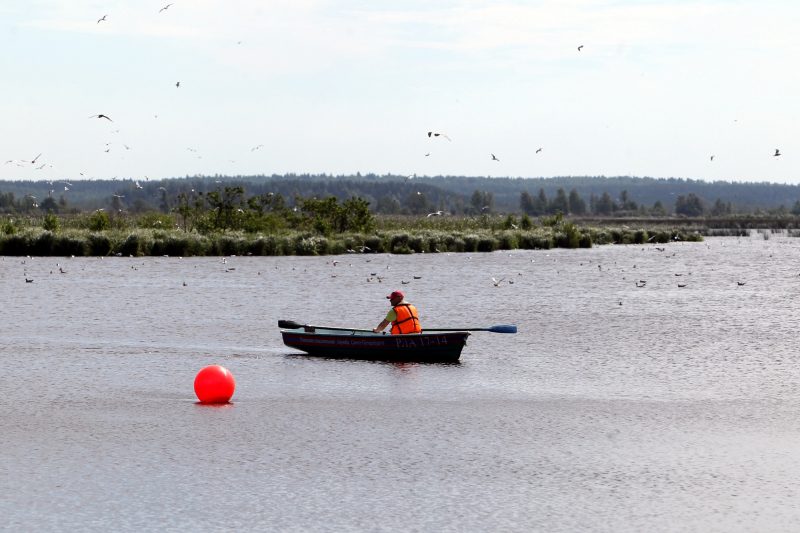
407,320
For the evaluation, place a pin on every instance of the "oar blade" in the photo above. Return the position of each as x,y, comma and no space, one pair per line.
289,324
503,328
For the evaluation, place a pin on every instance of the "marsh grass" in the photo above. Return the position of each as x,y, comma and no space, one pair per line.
397,235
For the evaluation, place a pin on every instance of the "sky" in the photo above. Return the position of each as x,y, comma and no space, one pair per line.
551,88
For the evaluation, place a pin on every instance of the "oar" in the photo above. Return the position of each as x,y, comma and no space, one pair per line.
500,328
291,324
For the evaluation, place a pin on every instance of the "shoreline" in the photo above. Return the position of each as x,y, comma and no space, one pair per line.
150,242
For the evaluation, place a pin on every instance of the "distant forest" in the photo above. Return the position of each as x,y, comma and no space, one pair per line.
412,195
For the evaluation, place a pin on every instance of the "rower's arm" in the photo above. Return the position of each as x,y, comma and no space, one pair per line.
380,327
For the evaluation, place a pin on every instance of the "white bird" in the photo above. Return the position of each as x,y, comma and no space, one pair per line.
497,282
138,185
436,214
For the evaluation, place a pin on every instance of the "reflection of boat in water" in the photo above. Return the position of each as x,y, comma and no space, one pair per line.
342,343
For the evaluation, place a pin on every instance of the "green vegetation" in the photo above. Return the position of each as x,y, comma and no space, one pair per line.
230,224
228,219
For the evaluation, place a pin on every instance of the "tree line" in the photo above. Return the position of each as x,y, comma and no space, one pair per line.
396,195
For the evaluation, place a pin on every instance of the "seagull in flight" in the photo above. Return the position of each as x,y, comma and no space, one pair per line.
101,116
177,84
777,153
164,8
436,214
497,282
494,157
538,150
434,134
35,158
712,158
102,19
580,47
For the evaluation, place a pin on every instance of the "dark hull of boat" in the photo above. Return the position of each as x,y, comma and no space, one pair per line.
421,348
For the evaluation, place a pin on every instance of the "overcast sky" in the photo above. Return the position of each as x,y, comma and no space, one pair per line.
340,87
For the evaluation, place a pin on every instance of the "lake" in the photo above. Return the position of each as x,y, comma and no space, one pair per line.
650,388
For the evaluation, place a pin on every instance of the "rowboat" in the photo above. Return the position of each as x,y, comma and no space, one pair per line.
436,347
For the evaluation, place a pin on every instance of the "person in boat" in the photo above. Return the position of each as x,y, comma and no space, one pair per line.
402,316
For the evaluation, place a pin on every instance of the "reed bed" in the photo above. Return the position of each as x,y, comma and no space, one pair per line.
73,241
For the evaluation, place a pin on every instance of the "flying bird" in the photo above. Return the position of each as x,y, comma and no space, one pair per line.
580,47
102,116
177,84
434,134
777,153
497,282
538,150
435,214
164,8
103,18
711,158
35,158
494,157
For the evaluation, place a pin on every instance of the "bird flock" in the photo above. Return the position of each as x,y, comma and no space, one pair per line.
107,19
164,10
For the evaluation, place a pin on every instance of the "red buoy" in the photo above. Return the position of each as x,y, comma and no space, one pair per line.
214,384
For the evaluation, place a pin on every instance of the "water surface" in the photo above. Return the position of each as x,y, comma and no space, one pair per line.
617,406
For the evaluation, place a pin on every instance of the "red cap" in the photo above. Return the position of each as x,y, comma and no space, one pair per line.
396,294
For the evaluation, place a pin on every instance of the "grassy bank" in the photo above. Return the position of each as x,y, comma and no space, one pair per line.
174,242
